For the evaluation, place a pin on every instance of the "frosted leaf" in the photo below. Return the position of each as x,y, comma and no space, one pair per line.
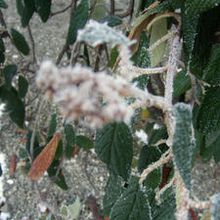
96,33
183,142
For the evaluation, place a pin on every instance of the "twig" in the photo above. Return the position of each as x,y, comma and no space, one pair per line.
62,10
166,157
74,53
182,198
199,204
2,20
61,54
144,98
160,41
32,44
112,7
161,191
175,49
137,71
92,7
98,57
37,119
165,15
66,46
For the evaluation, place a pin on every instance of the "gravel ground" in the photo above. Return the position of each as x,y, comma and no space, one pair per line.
23,197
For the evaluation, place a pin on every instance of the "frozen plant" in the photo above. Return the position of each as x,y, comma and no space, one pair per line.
82,93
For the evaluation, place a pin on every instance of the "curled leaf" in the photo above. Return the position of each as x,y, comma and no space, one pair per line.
45,158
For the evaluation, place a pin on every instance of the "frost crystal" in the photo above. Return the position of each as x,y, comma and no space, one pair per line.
142,136
2,106
96,33
81,93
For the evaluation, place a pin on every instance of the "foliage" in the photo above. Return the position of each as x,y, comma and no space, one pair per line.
165,64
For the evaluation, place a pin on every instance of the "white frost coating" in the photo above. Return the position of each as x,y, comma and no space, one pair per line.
95,33
156,126
42,207
2,106
142,136
79,92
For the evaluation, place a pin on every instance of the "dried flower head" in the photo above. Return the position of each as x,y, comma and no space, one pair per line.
81,93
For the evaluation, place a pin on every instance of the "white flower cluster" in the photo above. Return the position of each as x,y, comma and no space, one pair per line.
82,93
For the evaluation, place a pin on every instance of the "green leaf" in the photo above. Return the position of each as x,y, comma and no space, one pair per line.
183,142
26,10
133,204
14,105
22,86
20,42
141,81
211,73
59,151
212,143
167,208
70,140
141,57
113,57
3,4
215,207
208,119
23,154
20,6
189,26
208,24
57,175
9,72
2,46
111,20
113,146
36,147
2,57
113,190
52,126
84,142
43,8
78,20
148,155
182,83
159,30
199,6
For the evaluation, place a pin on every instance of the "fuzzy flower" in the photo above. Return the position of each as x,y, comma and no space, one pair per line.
97,97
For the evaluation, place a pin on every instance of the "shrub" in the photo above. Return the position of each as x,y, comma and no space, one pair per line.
153,95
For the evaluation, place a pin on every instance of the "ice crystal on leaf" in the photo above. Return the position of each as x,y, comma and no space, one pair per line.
96,33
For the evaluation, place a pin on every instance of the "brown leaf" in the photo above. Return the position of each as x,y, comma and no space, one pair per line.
12,165
45,158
